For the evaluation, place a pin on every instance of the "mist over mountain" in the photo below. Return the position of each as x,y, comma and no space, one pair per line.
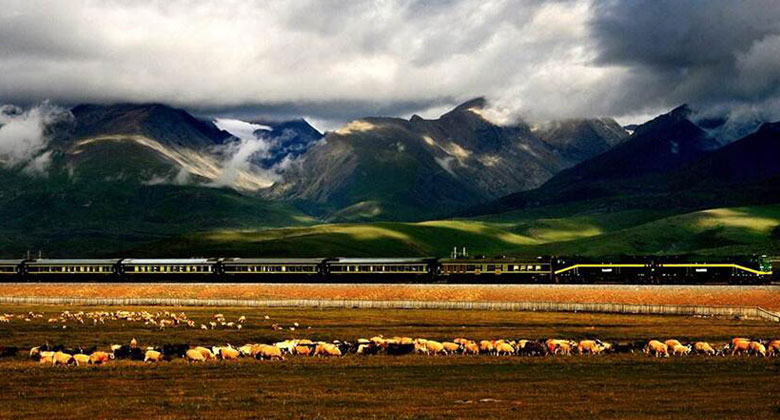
288,139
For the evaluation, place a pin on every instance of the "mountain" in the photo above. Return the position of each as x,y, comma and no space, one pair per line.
149,143
635,166
580,139
124,175
164,124
749,160
396,169
291,139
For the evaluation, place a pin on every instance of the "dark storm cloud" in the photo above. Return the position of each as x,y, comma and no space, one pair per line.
704,52
334,61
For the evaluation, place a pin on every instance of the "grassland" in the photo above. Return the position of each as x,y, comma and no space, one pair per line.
407,387
722,231
767,297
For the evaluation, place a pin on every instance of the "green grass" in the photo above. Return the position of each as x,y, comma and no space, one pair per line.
384,387
65,217
725,231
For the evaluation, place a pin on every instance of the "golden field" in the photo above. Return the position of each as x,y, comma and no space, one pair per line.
767,297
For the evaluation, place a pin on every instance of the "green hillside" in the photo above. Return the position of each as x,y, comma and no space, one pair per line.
723,231
61,217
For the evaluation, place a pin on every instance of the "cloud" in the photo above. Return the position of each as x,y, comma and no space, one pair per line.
238,155
671,52
24,137
336,61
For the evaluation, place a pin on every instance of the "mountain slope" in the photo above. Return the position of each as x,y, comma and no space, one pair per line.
149,143
396,169
577,140
166,125
636,166
749,160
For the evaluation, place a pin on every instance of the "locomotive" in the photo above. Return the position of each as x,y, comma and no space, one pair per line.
456,269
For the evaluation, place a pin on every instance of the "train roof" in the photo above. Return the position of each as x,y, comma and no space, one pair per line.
381,260
274,260
150,261
491,260
6,262
79,261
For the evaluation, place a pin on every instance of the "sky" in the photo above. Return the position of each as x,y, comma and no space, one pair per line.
332,61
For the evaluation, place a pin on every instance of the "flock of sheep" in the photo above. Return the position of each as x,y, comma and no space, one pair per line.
59,355
158,320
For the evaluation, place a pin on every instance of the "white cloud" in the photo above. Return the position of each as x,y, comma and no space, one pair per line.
336,60
232,53
23,136
239,154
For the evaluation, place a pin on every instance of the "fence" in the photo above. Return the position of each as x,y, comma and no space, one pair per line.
621,308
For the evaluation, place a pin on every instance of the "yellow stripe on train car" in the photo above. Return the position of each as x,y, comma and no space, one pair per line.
572,267
708,265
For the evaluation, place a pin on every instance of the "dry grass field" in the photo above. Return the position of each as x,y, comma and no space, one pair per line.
387,387
765,296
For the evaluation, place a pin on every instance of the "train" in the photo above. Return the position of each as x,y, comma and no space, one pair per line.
456,269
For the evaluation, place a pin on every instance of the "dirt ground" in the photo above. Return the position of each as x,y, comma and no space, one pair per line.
767,297
388,387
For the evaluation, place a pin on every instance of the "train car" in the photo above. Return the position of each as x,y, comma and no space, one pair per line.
44,269
10,270
745,272
583,271
272,269
362,270
494,270
172,269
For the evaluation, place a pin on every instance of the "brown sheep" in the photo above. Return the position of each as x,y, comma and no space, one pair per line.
63,359
450,347
470,347
303,350
193,356
228,353
741,346
207,354
702,347
153,356
504,349
757,349
672,343
265,351
46,357
327,350
100,357
590,347
657,348
486,346
564,348
81,359
773,348
246,349
554,345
